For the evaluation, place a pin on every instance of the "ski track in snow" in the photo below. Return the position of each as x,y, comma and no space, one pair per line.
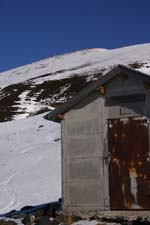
29,163
7,184
38,144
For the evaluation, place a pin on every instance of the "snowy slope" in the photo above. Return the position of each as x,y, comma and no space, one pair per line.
29,163
78,62
29,145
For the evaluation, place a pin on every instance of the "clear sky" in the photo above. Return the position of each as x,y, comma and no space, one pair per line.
31,30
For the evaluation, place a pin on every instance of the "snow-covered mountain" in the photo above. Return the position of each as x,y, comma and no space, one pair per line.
29,145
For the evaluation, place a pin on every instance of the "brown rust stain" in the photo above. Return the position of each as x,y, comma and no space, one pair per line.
129,168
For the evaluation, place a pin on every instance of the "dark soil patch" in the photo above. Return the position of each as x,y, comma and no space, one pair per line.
52,93
136,65
8,98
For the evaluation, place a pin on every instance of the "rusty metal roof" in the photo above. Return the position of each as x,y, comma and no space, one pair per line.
91,87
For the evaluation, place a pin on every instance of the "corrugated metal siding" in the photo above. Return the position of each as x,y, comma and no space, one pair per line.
129,167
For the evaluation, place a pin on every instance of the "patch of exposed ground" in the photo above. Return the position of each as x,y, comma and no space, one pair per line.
48,93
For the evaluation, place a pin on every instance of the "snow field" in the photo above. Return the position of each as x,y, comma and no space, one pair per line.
30,164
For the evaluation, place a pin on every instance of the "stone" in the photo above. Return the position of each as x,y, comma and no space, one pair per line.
43,221
28,219
7,222
26,208
49,211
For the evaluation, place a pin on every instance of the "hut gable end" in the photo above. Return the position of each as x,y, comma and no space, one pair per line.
105,144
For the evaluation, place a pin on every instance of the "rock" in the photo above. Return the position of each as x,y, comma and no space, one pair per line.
101,223
57,139
28,219
54,221
66,218
49,211
126,223
62,223
43,221
39,213
8,222
17,216
26,208
12,211
40,126
141,221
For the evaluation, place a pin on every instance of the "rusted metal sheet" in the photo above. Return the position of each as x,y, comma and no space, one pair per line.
129,167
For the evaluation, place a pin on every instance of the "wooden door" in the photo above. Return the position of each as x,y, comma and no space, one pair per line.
129,163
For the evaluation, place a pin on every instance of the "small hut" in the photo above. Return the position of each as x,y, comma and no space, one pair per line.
105,143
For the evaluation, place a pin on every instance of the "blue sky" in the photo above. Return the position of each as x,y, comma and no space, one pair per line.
31,30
